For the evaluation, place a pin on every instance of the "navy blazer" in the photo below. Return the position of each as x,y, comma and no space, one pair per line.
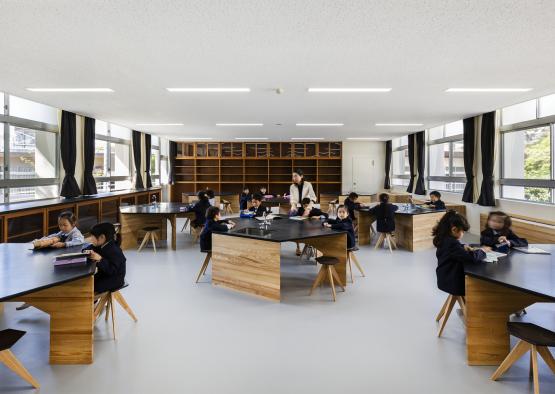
489,237
258,211
206,234
385,217
110,273
244,201
199,208
351,206
437,205
345,225
451,258
313,212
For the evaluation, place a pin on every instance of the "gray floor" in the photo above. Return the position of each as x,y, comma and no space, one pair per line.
380,336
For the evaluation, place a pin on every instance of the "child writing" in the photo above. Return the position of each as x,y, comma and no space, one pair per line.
451,254
385,214
498,233
257,207
351,202
343,222
244,199
307,210
110,261
214,222
199,208
435,200
69,234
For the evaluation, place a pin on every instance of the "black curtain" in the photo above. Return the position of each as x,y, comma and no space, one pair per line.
469,137
148,145
137,159
171,162
411,164
420,187
89,184
487,140
68,136
388,154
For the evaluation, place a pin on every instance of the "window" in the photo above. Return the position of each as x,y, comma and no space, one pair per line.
164,161
155,161
112,163
527,172
400,162
29,150
445,158
519,112
547,105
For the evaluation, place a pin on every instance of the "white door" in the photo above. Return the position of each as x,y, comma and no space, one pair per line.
363,170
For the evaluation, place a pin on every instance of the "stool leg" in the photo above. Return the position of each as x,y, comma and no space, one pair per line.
113,311
318,280
185,224
204,265
153,239
330,277
388,237
380,240
145,240
337,278
547,357
350,266
442,311
392,239
518,351
452,301
108,305
354,257
535,376
120,300
9,359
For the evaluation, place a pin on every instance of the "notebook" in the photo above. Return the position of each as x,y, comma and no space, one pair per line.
531,250
66,259
492,257
298,217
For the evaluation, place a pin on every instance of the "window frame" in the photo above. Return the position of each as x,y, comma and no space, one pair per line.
157,177
7,183
451,140
109,139
394,176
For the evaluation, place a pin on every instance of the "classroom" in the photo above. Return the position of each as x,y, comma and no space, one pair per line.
233,196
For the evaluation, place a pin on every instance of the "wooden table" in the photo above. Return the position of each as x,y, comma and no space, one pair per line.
494,291
66,294
413,226
248,261
134,218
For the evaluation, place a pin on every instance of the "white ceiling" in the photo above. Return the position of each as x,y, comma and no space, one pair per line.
140,47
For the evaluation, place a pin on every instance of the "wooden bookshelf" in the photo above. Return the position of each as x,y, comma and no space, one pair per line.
230,166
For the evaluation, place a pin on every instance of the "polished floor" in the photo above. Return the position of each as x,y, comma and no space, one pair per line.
380,336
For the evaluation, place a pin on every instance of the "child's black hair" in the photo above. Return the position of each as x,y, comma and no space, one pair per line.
353,196
507,221
436,194
212,212
210,193
299,172
344,208
69,216
305,201
202,195
106,229
384,198
257,196
443,228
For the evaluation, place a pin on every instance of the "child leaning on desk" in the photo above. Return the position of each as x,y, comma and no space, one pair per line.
498,233
307,210
214,222
69,235
343,222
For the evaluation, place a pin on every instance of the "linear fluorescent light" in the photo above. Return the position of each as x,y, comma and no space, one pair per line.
307,138
348,90
486,90
71,90
399,124
194,138
159,124
239,124
208,90
250,138
362,138
319,124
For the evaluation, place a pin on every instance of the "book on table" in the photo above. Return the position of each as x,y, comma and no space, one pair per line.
65,259
531,250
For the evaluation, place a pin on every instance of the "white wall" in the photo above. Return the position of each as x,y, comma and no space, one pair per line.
368,158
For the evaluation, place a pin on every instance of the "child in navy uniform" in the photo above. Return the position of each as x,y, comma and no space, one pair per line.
306,209
435,200
343,222
498,234
451,254
110,260
351,202
199,208
385,214
257,206
213,223
244,199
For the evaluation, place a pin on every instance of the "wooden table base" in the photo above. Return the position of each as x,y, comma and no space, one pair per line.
133,223
70,306
333,246
488,307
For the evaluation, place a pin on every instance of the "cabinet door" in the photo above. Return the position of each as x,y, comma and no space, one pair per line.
299,150
202,150
213,150
237,149
250,150
285,149
261,150
227,149
310,150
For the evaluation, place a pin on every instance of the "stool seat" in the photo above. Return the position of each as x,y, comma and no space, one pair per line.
353,249
327,260
151,228
205,251
532,333
9,337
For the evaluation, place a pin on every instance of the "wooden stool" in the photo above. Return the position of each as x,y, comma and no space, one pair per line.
535,339
106,301
332,207
185,224
8,338
372,233
309,252
446,309
150,235
327,271
386,237
351,256
227,207
195,232
204,264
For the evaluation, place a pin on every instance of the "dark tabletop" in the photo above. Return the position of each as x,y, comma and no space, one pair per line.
163,208
215,194
532,273
19,206
410,210
276,200
24,271
283,230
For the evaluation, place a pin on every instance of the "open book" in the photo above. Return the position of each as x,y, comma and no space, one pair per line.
531,250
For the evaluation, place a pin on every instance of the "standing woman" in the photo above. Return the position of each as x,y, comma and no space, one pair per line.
298,190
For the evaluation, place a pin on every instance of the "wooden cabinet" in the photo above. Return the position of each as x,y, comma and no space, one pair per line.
88,215
25,226
109,210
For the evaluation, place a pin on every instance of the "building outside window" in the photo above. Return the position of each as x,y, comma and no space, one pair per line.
400,162
112,161
446,158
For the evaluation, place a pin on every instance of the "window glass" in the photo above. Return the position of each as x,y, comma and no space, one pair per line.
400,182
527,154
100,127
103,187
1,153
33,192
100,158
122,185
436,133
120,159
155,140
519,112
164,175
454,128
164,147
32,153
455,187
458,159
154,157
536,194
401,162
439,160
27,109
120,132
547,105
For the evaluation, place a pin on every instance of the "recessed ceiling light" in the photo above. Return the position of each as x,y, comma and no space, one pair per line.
348,90
307,138
251,138
208,90
159,124
239,124
486,90
400,124
194,138
70,90
363,138
320,124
